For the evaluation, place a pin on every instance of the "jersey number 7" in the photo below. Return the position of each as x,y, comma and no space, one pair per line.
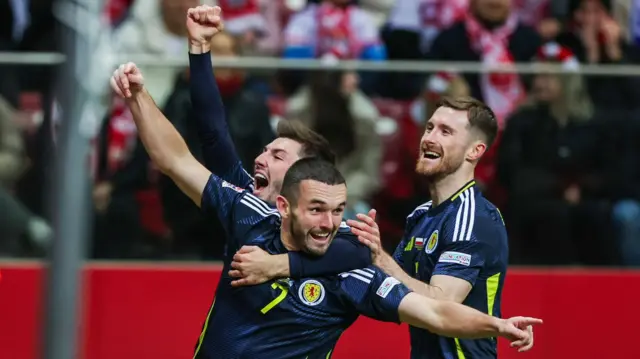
276,300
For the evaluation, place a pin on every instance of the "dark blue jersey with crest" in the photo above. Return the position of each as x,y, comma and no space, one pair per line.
284,318
463,237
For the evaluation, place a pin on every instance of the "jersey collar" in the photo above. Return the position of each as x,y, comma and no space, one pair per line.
454,197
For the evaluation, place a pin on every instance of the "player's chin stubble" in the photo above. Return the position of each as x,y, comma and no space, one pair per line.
442,169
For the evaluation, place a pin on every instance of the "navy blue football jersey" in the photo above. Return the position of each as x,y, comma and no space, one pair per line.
284,318
463,237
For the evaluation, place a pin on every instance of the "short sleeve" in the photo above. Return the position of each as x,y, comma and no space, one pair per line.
373,293
236,209
465,258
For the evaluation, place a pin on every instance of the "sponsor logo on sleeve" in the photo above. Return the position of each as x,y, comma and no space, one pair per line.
226,184
455,257
386,286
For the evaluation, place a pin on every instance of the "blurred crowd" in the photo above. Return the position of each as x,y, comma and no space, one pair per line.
565,170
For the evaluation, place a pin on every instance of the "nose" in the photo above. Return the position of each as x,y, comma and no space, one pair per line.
428,138
260,161
326,221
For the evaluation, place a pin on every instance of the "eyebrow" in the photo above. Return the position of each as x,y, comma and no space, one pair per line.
319,201
277,151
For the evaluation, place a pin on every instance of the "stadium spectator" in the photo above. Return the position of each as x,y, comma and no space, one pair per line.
12,152
335,108
490,33
596,38
335,30
553,162
17,222
120,169
248,120
626,209
25,25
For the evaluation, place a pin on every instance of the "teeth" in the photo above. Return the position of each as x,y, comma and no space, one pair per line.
321,234
259,175
431,153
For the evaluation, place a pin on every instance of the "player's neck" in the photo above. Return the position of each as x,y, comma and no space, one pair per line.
443,188
286,237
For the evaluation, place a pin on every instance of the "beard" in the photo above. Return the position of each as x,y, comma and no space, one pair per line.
433,171
302,238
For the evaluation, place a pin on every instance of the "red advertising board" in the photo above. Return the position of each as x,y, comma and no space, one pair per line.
136,311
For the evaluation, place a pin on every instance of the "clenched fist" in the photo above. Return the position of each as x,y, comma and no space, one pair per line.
203,22
127,80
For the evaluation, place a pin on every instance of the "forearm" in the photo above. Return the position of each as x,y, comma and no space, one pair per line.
209,112
393,269
343,255
162,141
447,318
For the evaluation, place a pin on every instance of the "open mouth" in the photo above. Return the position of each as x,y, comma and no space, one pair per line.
431,155
321,236
261,181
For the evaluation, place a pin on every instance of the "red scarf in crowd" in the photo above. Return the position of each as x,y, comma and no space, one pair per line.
121,139
335,36
501,91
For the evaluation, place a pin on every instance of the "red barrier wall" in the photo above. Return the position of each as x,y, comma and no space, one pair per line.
145,311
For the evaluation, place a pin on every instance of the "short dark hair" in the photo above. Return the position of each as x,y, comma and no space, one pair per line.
309,168
480,115
313,144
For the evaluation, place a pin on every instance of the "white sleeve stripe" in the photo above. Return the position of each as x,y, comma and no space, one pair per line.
258,210
464,224
369,270
258,202
361,272
457,227
345,275
472,213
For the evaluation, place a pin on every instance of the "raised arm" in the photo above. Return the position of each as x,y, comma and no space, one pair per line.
166,148
219,152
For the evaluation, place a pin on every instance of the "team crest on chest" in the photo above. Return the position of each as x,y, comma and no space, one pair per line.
432,243
311,292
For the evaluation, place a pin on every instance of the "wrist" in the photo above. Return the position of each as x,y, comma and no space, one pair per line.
387,263
497,326
280,268
137,96
199,47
